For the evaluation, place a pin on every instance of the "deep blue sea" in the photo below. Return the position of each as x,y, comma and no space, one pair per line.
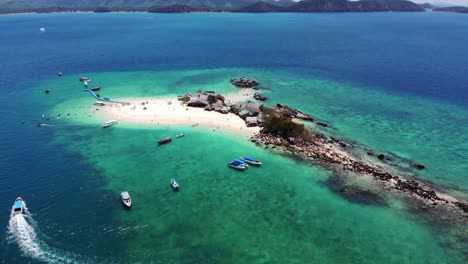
415,59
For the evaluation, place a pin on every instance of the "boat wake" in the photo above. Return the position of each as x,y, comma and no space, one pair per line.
21,229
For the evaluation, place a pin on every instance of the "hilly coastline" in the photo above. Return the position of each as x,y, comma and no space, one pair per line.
184,6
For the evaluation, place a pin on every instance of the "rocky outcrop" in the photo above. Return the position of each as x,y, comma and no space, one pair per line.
259,97
245,83
293,112
332,152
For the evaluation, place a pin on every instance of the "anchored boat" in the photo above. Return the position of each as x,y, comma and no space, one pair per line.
180,135
164,141
96,88
174,185
243,162
19,207
237,165
251,161
109,123
126,200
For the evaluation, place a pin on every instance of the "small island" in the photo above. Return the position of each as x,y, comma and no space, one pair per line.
293,133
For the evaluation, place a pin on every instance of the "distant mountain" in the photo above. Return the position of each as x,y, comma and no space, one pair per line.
172,6
426,6
177,8
456,9
353,6
259,7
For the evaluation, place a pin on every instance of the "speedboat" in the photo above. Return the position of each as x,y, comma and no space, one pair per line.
237,165
251,161
180,135
109,123
243,162
174,185
126,200
19,207
164,141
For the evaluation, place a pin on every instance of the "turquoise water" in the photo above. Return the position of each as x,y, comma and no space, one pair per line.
380,88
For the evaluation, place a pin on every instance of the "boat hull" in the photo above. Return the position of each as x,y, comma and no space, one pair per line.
241,168
252,162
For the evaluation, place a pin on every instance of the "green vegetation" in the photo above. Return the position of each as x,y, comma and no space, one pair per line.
281,124
212,99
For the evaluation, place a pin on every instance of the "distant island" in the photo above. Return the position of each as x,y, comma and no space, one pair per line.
186,6
455,9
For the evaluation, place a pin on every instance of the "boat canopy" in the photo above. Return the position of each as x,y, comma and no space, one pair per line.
236,162
249,158
17,205
125,195
240,161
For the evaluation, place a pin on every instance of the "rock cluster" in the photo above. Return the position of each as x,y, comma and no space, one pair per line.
294,112
245,83
259,97
324,150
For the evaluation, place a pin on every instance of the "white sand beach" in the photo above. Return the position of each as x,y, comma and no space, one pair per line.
170,111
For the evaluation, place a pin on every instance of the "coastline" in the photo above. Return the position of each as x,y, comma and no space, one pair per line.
167,110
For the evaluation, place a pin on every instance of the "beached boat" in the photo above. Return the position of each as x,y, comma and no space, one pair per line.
98,103
19,207
164,141
251,161
96,88
237,165
180,135
174,185
109,123
126,200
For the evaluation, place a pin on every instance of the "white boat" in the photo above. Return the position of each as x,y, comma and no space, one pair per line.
174,185
126,200
19,207
109,123
251,161
180,135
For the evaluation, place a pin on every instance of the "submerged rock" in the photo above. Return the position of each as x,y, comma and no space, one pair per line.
418,166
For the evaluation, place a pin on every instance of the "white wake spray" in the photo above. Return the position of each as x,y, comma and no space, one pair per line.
21,230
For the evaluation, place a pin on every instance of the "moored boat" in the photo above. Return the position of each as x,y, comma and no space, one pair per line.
109,123
19,207
82,79
237,165
96,88
243,162
174,185
164,141
126,200
251,161
180,135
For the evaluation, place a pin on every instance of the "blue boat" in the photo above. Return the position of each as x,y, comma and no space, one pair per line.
19,207
174,185
237,165
243,162
251,161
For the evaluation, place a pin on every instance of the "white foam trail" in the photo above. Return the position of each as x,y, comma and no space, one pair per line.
21,230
